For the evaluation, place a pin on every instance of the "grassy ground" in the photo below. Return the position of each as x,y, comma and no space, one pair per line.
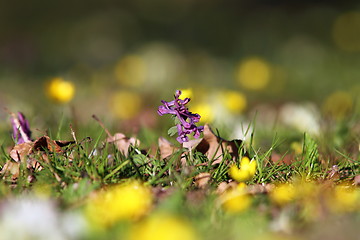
95,184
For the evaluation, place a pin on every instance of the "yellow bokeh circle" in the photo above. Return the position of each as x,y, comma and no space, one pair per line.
338,105
127,201
186,93
253,73
59,90
346,31
234,101
125,104
131,71
205,110
162,226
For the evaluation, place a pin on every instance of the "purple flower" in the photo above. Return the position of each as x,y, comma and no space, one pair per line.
186,119
21,128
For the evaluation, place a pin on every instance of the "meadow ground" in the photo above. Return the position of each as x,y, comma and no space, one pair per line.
92,183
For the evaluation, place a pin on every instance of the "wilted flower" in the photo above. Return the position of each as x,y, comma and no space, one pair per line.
163,227
60,91
21,128
123,202
245,172
187,119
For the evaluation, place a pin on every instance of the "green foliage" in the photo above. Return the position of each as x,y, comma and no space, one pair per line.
309,166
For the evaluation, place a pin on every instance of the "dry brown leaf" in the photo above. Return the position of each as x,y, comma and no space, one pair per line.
44,143
24,152
166,148
191,144
202,179
11,168
122,142
213,146
224,186
21,151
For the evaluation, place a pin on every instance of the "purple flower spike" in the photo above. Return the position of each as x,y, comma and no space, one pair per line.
21,128
187,119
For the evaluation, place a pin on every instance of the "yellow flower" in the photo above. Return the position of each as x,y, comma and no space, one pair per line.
127,201
162,227
344,199
253,73
59,90
235,200
125,104
234,101
246,172
283,193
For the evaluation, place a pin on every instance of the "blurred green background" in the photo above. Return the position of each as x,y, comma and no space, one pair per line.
125,56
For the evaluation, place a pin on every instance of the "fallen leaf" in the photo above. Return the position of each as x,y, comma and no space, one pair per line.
214,146
26,153
221,188
224,186
202,179
191,144
20,152
44,143
122,142
166,148
10,168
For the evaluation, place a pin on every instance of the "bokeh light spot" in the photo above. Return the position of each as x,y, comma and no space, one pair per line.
234,101
253,73
346,31
186,93
338,105
205,110
131,71
161,226
59,90
125,104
